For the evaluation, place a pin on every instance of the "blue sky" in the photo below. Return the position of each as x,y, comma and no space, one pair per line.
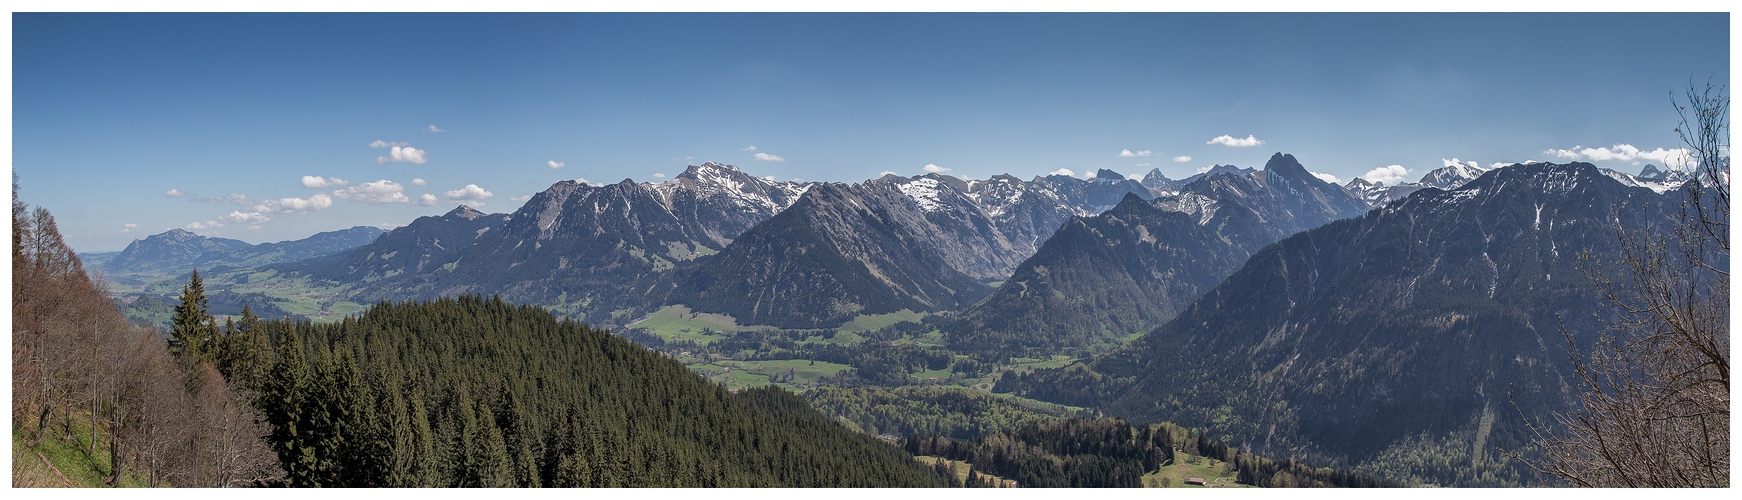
111,112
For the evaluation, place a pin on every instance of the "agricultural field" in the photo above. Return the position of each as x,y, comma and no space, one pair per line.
680,323
791,374
872,322
1215,473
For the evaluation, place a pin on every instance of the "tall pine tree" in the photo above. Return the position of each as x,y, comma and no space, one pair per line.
192,326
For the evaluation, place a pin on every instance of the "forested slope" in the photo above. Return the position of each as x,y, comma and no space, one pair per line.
477,392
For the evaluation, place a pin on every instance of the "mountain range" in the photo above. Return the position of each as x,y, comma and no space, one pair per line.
1101,278
1365,326
1383,340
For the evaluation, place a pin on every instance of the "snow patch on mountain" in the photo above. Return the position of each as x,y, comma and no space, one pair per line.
923,190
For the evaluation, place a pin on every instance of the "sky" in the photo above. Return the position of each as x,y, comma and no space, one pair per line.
272,127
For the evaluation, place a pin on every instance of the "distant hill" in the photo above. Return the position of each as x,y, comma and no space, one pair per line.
172,251
178,251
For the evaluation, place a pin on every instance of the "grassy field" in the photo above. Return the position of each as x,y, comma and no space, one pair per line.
962,471
929,374
840,338
1215,473
743,374
1038,405
69,458
870,322
928,339
680,323
1021,365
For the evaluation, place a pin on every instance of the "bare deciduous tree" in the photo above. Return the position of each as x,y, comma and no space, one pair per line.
1654,407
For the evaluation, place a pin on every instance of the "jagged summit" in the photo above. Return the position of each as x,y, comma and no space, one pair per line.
1650,172
1281,163
710,171
1217,170
1108,175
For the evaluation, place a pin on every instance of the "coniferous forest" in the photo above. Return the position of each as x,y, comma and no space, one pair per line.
477,392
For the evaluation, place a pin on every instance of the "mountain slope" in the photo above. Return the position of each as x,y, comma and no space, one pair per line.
173,251
841,251
1373,339
1126,270
473,392
416,248
320,244
1101,278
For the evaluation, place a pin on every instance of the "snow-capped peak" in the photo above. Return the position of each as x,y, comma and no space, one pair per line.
1451,176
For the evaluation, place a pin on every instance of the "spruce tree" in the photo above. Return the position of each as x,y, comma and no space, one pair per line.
192,325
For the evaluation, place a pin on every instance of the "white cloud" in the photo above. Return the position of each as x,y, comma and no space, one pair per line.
381,191
583,181
1390,175
768,157
196,226
1062,171
128,227
315,181
384,144
1129,153
1205,168
1674,158
402,154
1455,162
751,148
387,225
1498,164
1181,159
886,172
469,193
254,227
1325,177
659,175
174,193
320,201
419,182
520,198
428,200
933,168
240,217
553,164
433,128
1143,164
1228,140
